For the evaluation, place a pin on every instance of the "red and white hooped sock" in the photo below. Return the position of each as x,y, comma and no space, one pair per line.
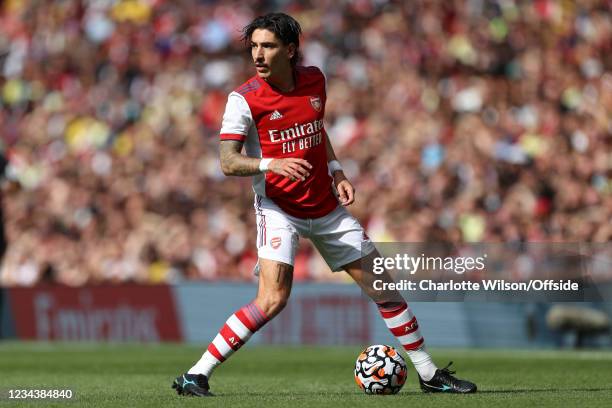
235,332
403,324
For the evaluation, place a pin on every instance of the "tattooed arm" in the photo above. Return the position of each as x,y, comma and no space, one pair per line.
234,163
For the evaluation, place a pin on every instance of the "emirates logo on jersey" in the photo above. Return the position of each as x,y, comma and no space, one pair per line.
315,101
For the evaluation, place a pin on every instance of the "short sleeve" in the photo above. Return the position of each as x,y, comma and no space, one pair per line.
237,118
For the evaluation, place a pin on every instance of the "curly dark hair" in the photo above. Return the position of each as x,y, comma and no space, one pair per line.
285,27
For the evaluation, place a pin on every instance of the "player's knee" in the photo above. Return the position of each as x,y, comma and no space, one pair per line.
278,304
273,303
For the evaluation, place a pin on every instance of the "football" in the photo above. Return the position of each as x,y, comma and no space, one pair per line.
380,369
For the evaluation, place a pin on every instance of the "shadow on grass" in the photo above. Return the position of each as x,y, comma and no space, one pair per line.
413,393
534,390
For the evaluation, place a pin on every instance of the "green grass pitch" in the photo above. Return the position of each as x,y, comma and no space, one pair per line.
140,375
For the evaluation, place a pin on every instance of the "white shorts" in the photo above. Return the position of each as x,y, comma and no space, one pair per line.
338,236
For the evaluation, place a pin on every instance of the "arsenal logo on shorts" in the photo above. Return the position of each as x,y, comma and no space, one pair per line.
275,242
315,101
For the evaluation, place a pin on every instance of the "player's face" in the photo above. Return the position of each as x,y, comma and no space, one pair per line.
271,57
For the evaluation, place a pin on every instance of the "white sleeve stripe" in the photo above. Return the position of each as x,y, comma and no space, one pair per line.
237,118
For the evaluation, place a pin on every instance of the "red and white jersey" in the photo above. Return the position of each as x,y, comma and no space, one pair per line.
274,124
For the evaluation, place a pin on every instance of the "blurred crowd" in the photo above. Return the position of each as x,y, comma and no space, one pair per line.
457,121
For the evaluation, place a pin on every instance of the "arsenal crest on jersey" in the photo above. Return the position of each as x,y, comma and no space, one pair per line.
315,101
275,242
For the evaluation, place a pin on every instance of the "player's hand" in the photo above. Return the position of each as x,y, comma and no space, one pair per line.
346,191
292,168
